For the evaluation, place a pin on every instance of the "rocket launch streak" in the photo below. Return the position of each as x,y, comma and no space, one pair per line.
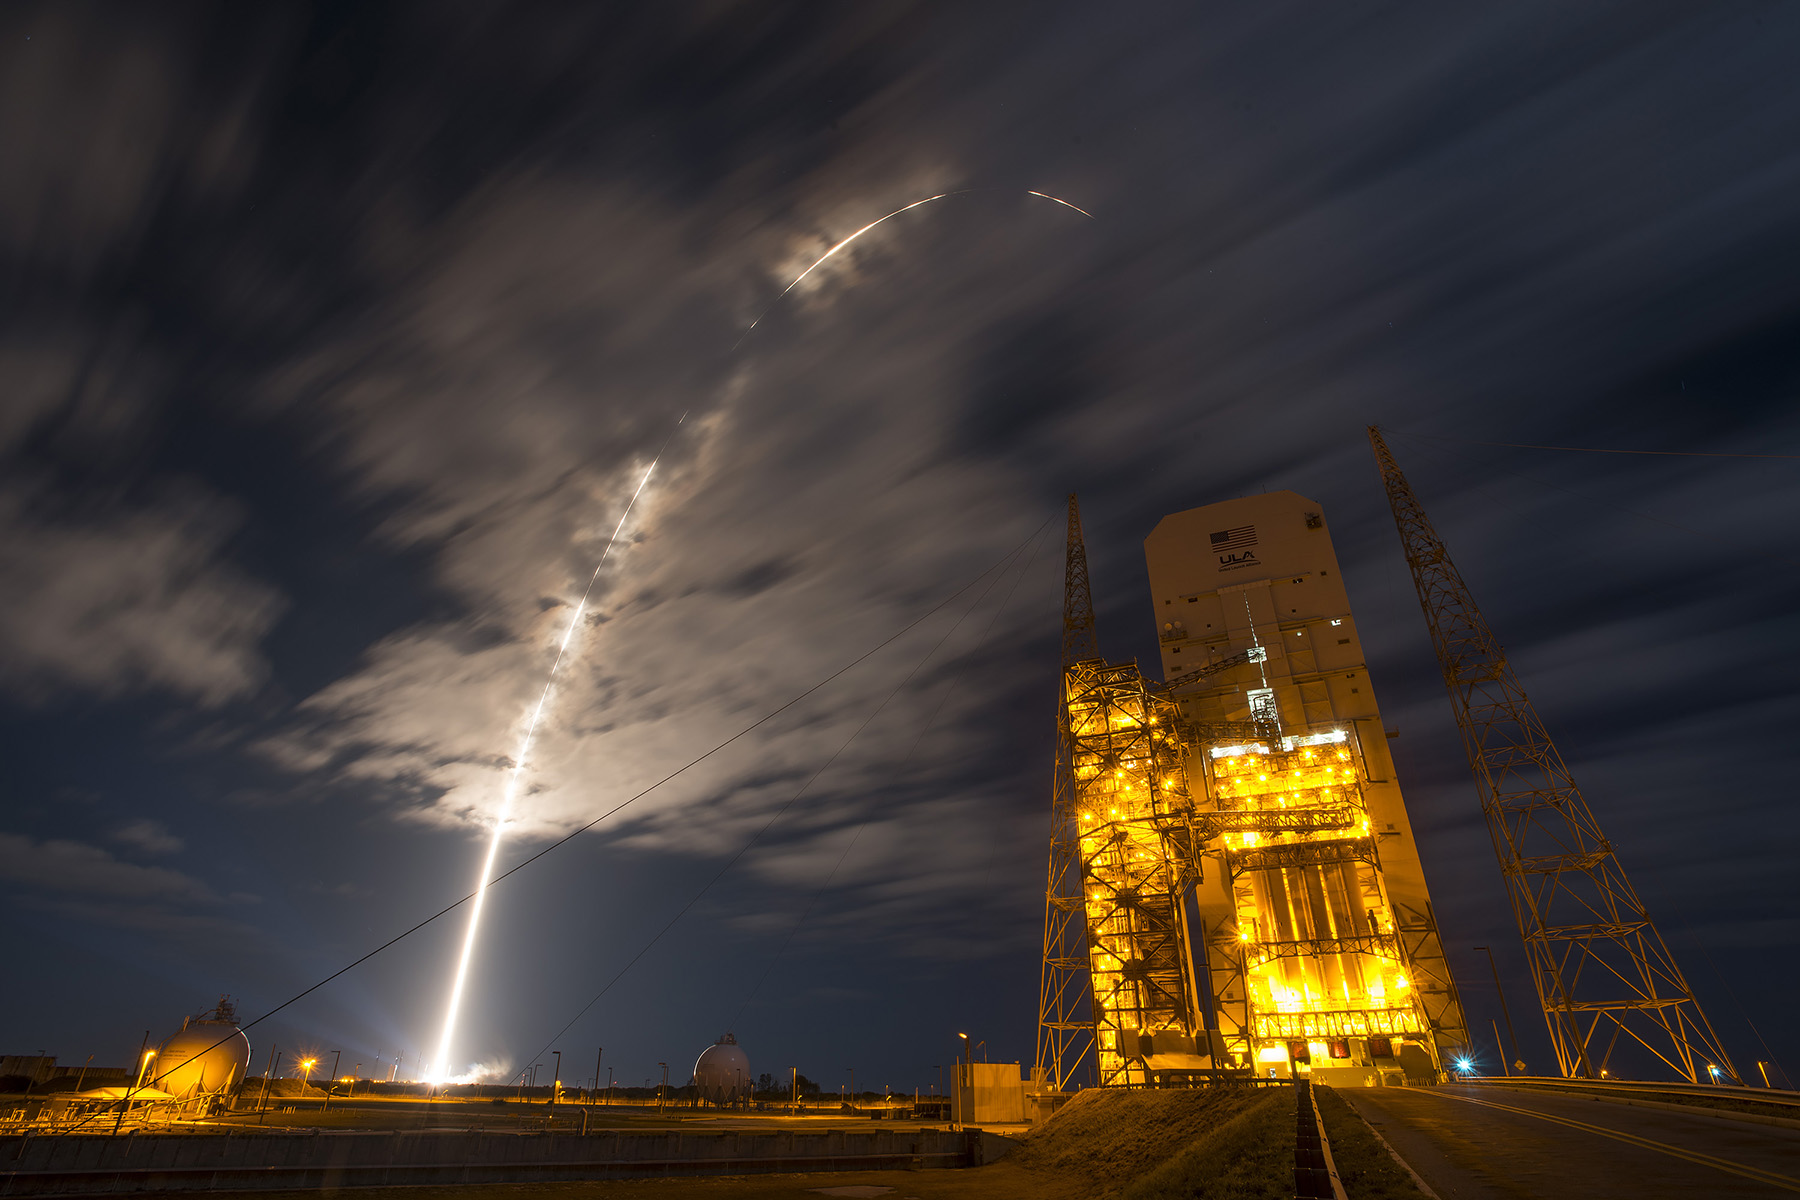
440,1069
872,224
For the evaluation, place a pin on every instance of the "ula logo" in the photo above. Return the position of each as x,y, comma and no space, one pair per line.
1228,542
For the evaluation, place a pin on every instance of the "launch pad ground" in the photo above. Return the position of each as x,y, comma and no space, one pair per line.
1470,1142
1001,1181
463,1116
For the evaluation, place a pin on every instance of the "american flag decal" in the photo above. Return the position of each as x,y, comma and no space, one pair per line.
1241,538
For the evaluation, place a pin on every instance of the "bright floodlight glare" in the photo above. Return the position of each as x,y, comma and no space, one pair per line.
440,1068
1463,1064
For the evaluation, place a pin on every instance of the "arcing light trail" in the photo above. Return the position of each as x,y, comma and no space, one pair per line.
872,224
440,1068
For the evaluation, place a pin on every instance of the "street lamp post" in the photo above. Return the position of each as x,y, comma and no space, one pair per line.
1505,1012
273,1069
331,1084
306,1066
969,1056
556,1076
852,1071
144,1067
144,1057
662,1093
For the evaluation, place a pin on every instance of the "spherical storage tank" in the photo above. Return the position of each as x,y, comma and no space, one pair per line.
207,1057
722,1073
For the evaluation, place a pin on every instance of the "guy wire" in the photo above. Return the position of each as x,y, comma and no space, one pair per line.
998,565
917,742
813,778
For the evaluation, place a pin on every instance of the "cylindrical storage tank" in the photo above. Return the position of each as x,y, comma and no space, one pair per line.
207,1057
722,1073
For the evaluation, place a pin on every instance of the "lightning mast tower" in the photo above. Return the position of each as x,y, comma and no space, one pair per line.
1601,969
1065,1018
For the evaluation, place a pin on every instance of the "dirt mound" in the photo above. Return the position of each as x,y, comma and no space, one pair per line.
1112,1137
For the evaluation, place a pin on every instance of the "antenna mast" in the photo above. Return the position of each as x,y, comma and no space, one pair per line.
1065,1019
1601,968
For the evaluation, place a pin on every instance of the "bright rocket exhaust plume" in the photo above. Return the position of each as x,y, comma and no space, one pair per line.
440,1064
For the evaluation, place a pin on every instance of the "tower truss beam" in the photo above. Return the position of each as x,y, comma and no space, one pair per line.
1599,965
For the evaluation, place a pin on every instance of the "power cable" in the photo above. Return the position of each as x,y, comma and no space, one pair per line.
930,721
1687,927
758,835
1688,529
1445,437
999,565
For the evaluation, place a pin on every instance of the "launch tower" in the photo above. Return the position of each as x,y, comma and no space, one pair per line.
1247,806
1603,973
1320,945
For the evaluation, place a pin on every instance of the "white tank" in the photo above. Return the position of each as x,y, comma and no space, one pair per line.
722,1073
207,1057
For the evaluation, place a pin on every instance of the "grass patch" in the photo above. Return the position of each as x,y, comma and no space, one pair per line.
1368,1171
1249,1157
1112,1136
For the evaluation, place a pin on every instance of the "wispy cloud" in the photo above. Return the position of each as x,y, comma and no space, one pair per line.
147,836
62,866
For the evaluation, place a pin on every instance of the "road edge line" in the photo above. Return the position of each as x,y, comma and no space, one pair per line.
1386,1145
1700,1157
1698,1109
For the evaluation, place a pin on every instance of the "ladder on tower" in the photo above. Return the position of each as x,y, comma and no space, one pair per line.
1601,969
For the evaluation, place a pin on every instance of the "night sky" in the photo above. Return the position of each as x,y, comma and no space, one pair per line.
336,339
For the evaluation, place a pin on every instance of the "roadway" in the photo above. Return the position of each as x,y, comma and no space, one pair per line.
1489,1143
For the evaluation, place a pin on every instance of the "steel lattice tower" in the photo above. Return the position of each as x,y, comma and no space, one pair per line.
1601,969
1065,1017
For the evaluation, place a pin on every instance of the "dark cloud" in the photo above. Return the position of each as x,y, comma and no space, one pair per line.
338,338
69,866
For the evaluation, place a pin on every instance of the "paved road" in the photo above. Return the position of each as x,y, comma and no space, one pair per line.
1483,1143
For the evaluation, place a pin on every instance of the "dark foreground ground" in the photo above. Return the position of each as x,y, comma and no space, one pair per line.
1099,1145
1467,1143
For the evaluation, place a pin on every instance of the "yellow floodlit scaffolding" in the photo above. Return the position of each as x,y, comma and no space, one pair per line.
1135,839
